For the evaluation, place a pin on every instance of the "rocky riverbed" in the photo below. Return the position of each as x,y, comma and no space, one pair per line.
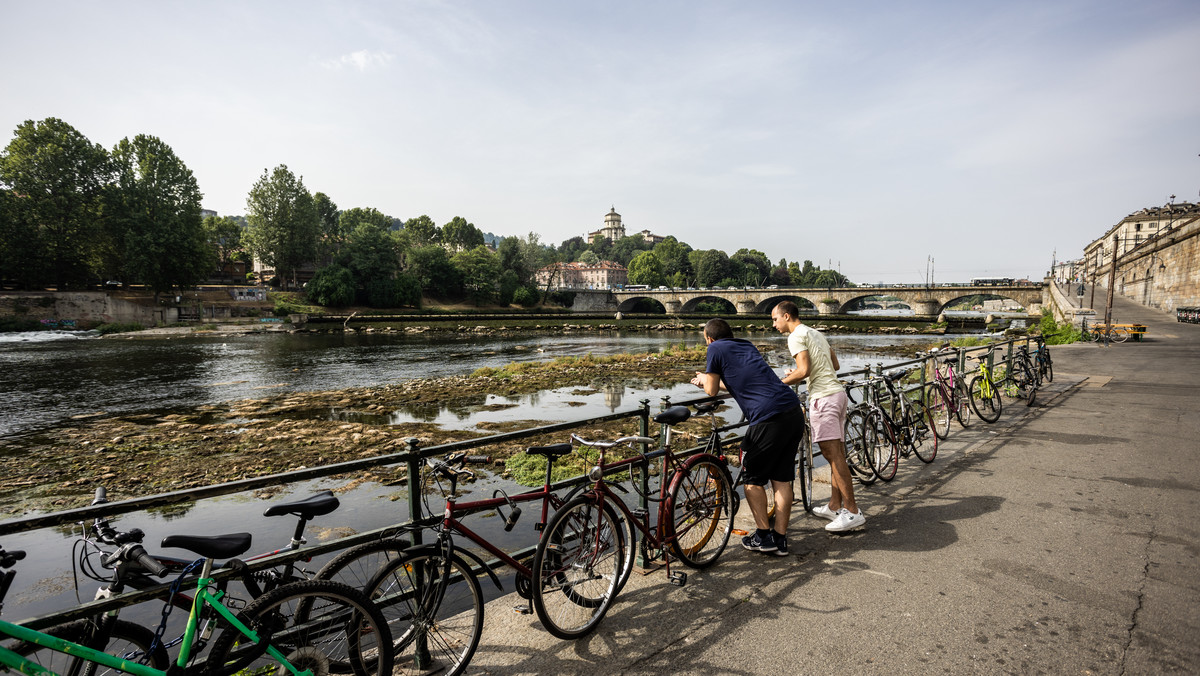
150,453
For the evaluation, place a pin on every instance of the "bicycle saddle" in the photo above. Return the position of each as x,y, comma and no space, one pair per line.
551,451
317,505
673,415
707,407
211,546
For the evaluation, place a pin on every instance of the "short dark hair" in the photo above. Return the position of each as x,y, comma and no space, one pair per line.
789,308
718,329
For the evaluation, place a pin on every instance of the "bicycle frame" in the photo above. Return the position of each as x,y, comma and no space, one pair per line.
202,598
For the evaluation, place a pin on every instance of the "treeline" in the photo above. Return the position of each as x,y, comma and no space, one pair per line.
73,214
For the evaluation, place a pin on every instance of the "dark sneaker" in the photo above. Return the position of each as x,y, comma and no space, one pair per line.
756,543
780,544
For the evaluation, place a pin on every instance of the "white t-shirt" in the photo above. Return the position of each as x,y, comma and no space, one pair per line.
822,378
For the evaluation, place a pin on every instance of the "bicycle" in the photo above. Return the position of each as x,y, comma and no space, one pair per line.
1045,366
578,557
430,594
945,395
1023,380
804,458
1098,332
340,630
859,447
983,393
903,430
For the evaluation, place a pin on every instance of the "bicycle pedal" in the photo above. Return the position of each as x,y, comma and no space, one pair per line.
677,578
639,513
522,610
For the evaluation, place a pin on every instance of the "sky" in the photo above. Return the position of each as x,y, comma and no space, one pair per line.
884,139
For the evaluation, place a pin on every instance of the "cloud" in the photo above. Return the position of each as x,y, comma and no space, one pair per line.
362,60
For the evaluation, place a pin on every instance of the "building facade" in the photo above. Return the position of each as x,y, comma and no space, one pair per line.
614,230
577,275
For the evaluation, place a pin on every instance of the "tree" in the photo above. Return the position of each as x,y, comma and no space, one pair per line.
570,249
756,267
673,255
645,268
56,176
459,235
224,235
284,224
154,206
422,230
480,269
430,265
332,286
711,266
332,234
512,258
589,257
370,253
624,249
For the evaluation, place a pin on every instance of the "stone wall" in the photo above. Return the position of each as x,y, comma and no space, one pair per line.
594,301
83,308
1161,274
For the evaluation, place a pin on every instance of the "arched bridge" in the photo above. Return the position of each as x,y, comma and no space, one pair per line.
924,300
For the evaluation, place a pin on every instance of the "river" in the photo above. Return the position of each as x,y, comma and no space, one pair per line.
47,379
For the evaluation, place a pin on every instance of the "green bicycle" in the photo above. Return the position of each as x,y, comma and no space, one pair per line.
305,628
983,393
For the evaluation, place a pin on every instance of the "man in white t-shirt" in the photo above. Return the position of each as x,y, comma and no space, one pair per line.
827,401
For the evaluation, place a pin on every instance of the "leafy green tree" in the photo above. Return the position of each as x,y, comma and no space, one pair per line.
408,290
589,257
780,276
370,253
755,266
570,249
56,177
512,259
224,236
154,204
431,266
332,235
480,269
711,266
459,235
284,224
625,249
507,287
332,286
21,256
645,268
525,296
422,230
673,255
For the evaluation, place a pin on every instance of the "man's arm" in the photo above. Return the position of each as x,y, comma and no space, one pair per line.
797,375
833,356
710,382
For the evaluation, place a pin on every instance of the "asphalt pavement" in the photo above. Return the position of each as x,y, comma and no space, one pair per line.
1062,539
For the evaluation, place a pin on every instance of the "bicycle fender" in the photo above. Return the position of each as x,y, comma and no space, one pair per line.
460,553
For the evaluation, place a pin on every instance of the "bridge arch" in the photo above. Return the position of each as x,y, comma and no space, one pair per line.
766,305
639,304
692,304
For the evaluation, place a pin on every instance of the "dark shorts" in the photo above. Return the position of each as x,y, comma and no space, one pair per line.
769,449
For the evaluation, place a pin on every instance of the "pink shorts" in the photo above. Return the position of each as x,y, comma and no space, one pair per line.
827,416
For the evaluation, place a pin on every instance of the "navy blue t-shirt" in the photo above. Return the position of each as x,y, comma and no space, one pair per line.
754,385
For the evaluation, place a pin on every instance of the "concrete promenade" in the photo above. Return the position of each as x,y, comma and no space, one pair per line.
1063,539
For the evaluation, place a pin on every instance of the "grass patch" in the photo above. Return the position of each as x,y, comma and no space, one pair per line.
119,327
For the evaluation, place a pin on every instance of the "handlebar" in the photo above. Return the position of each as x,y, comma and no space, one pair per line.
9,559
627,441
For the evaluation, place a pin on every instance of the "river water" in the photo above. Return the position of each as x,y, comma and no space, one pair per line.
48,379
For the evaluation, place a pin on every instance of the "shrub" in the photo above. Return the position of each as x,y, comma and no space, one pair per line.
1055,333
119,327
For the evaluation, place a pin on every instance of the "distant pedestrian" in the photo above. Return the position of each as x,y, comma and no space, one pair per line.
817,363
776,429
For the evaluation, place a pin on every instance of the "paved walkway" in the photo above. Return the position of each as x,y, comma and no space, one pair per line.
1063,539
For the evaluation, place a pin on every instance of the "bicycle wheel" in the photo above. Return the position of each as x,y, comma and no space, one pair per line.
1047,367
625,533
575,568
700,502
126,640
924,441
857,455
881,446
985,399
358,565
939,407
341,631
434,608
962,408
1120,335
804,469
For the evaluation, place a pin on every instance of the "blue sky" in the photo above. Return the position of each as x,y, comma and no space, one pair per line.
867,135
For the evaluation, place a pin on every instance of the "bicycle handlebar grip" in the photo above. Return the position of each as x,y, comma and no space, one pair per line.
143,559
101,496
477,460
7,559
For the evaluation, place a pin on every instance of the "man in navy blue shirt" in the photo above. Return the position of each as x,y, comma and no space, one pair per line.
776,429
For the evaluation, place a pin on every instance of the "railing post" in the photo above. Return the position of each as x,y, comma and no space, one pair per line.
414,486
641,559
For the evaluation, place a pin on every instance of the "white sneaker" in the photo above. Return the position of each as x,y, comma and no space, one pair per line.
846,521
825,512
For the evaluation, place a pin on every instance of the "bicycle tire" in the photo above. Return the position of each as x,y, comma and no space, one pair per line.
1047,367
857,456
988,408
1120,335
341,632
575,568
626,534
700,502
924,440
804,469
939,407
962,407
424,590
126,640
358,565
882,446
